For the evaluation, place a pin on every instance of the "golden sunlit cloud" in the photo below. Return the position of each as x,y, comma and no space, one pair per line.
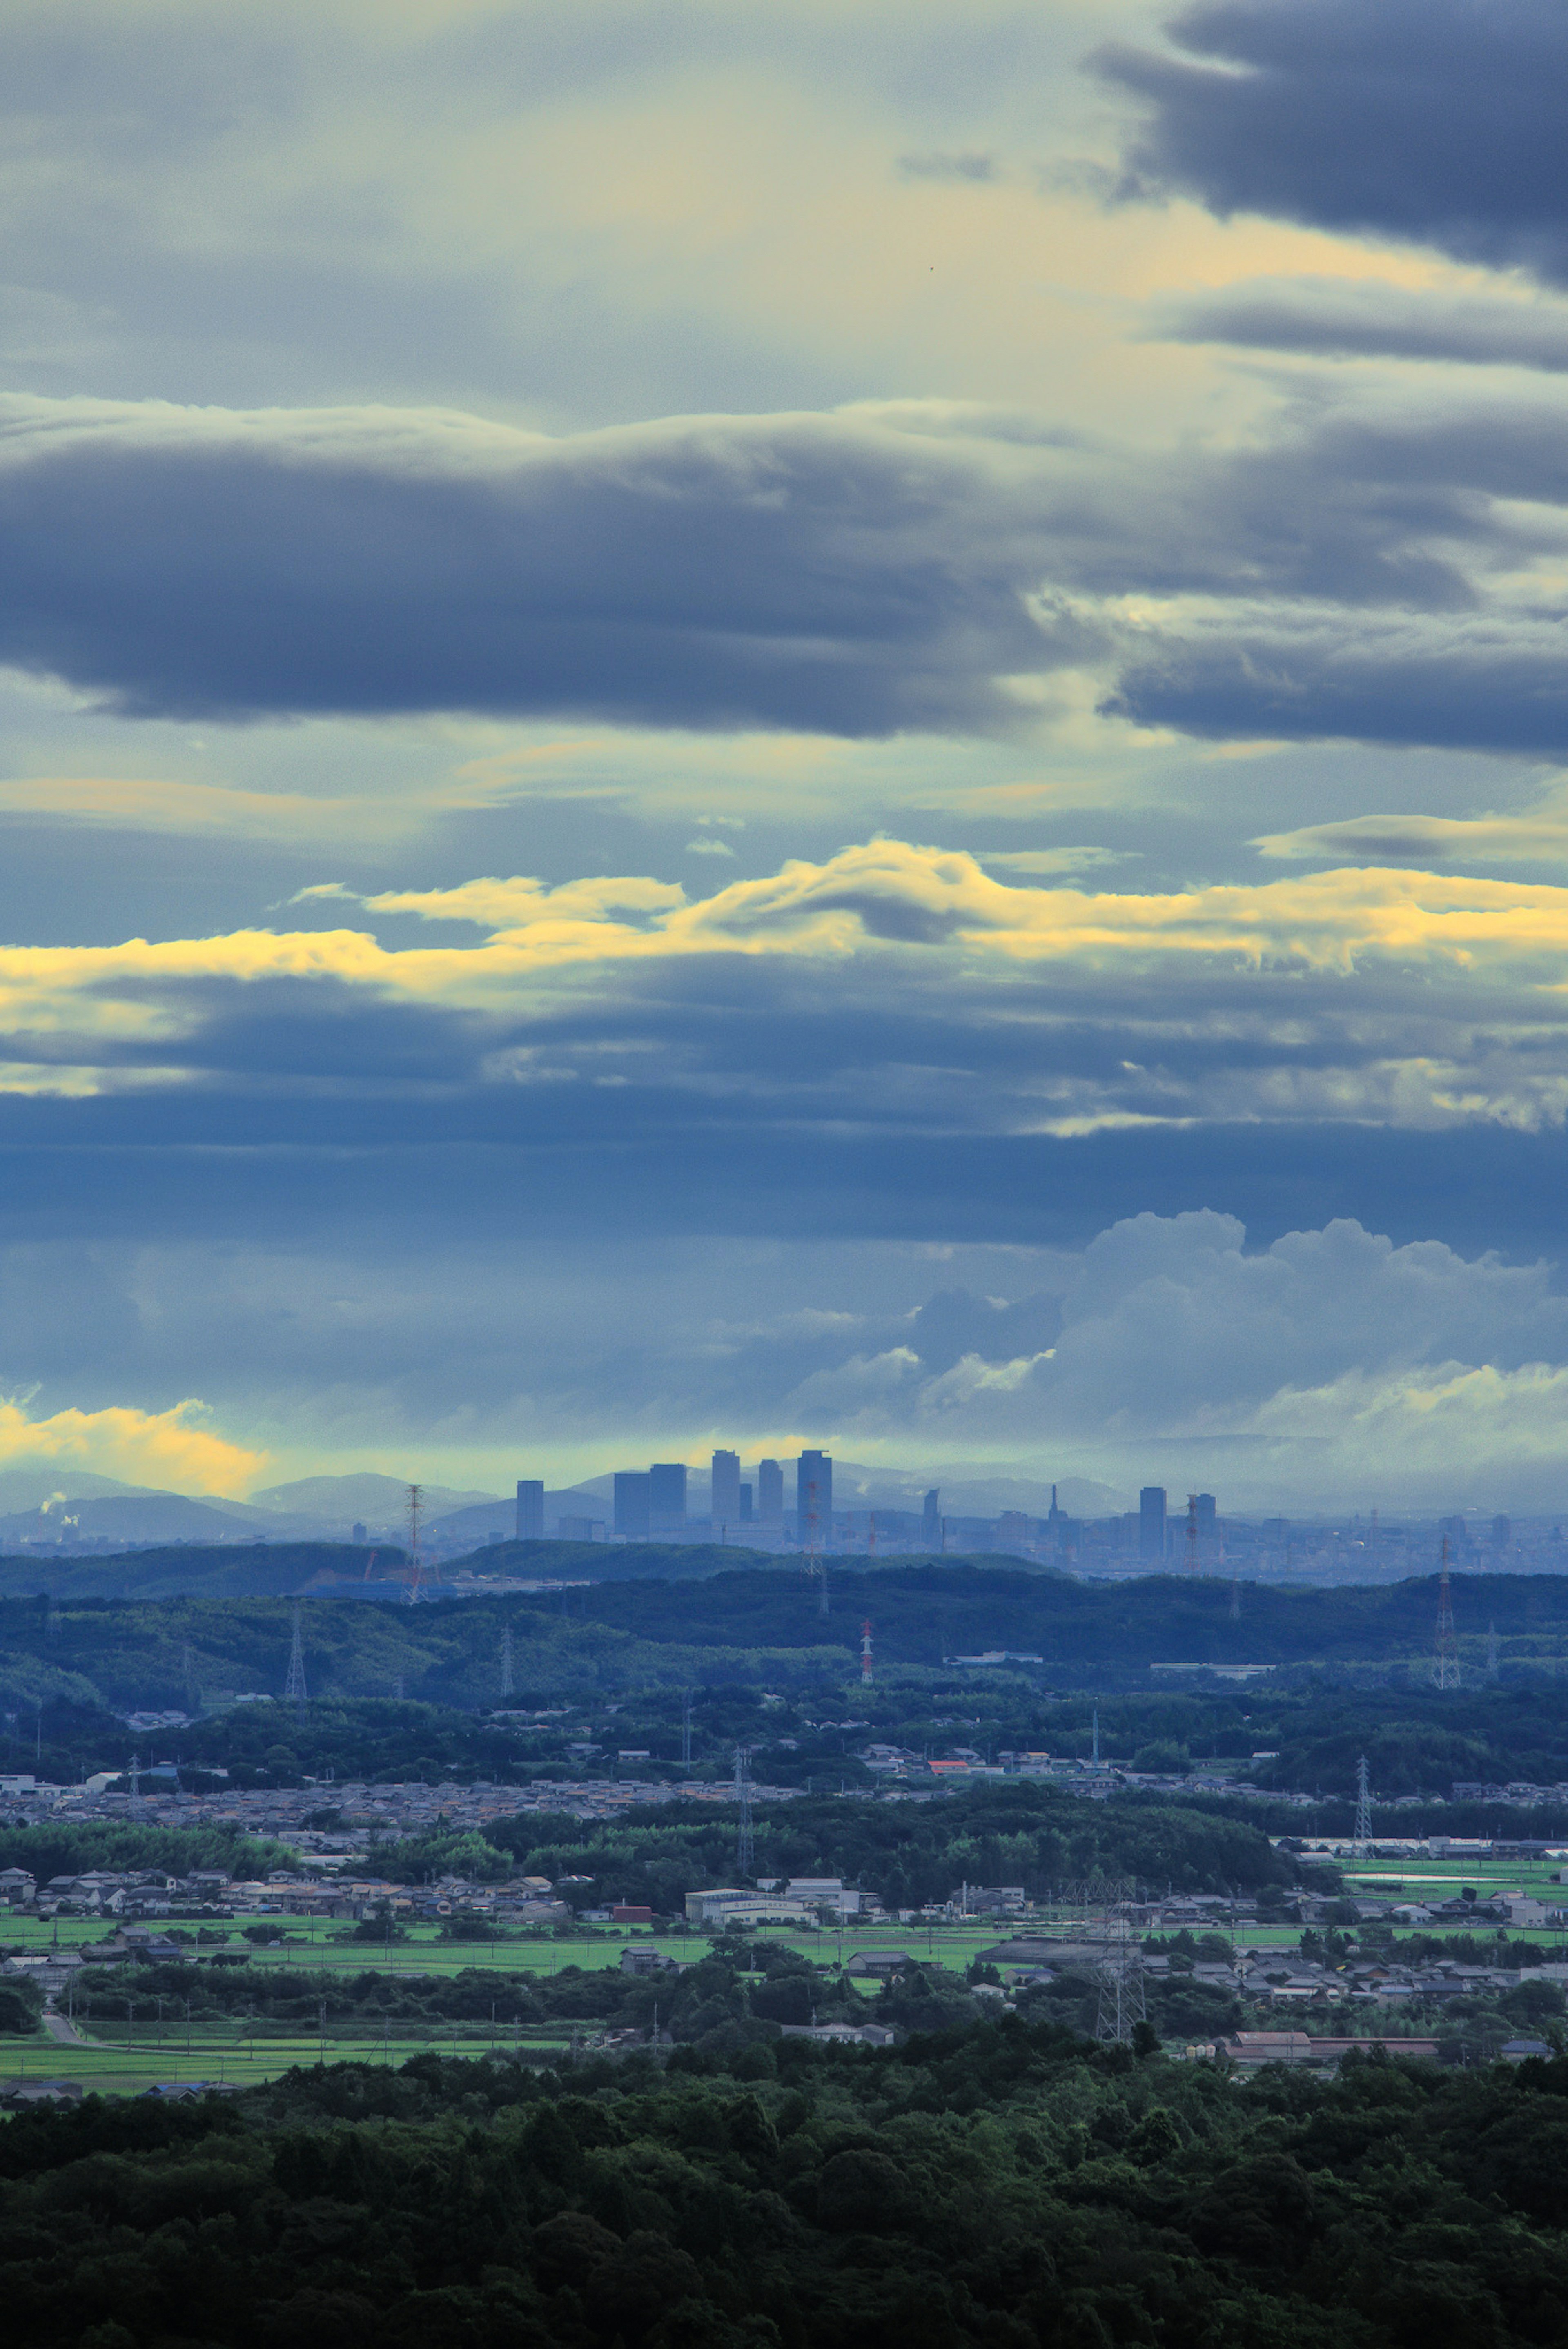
168,1449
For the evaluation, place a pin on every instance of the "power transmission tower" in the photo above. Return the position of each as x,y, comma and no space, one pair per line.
188,1672
686,1729
506,1683
415,1503
1492,1650
1094,1757
293,1689
1236,1600
745,1841
1363,1838
1123,2002
1446,1656
136,1786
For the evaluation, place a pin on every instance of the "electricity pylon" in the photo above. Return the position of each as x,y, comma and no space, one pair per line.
416,1502
507,1681
1446,1656
745,1841
1363,1838
293,1689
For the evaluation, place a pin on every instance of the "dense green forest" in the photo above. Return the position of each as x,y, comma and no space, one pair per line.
754,1624
1012,2185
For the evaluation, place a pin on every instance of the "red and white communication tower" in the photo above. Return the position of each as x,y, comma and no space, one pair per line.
865,1650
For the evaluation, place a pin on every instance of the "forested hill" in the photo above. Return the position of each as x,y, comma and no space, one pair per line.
922,1614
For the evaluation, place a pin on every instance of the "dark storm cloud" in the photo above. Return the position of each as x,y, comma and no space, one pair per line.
859,573
1478,687
1354,318
801,572
1439,121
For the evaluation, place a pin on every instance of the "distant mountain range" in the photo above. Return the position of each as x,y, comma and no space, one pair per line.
38,1504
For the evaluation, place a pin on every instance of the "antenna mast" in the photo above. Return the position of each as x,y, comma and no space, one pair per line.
1363,1840
416,1502
745,1842
1446,1660
293,1689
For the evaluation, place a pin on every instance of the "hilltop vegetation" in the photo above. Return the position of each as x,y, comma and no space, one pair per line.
1012,2186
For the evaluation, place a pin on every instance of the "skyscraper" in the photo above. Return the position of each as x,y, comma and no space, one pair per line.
770,1492
931,1518
1151,1524
726,1475
814,1498
1206,1525
667,1497
631,1504
530,1509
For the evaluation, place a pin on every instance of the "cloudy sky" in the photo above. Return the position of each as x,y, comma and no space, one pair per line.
836,722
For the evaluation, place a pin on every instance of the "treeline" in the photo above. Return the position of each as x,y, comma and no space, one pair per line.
1028,1833
50,1851
1013,2188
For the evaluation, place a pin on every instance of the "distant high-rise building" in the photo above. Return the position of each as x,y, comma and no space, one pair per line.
667,1497
745,1505
632,1504
931,1517
1151,1524
1205,1506
530,1509
358,1536
770,1492
726,1489
1501,1533
814,1497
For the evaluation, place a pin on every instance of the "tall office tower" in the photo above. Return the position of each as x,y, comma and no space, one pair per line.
931,1518
358,1536
770,1492
667,1497
530,1509
726,1489
745,1505
631,1504
813,1498
1151,1524
1206,1525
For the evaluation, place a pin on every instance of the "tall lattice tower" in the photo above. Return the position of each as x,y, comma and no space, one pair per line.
1446,1651
1493,1651
1363,1838
686,1729
188,1673
865,1653
293,1689
1123,2002
745,1839
508,1685
1094,1757
415,1505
